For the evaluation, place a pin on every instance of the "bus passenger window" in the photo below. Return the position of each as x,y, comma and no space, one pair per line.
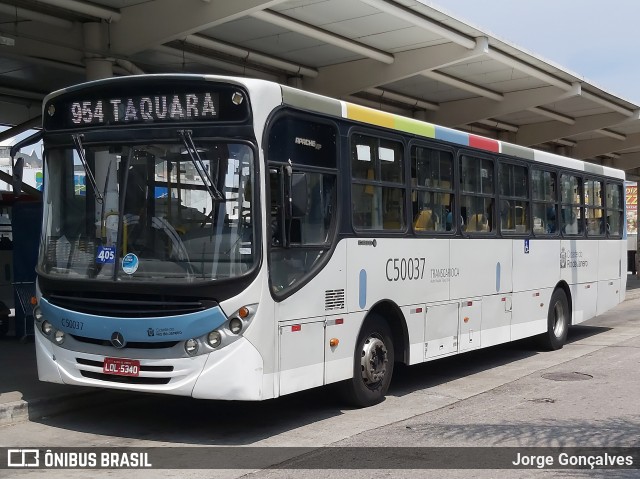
477,199
571,205
594,206
545,202
432,193
377,189
514,205
615,209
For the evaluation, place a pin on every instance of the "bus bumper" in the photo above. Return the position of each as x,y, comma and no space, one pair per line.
234,372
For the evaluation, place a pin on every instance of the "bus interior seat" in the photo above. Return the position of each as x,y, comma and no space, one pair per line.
538,225
426,220
478,222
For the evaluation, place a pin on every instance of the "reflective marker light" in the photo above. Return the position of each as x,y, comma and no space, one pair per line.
37,313
243,312
47,328
235,325
237,98
59,337
214,339
191,346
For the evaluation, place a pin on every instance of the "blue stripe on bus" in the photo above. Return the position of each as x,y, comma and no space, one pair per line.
363,289
452,136
154,329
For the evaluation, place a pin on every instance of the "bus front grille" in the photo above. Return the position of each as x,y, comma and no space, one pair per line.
100,364
131,345
124,379
100,376
129,306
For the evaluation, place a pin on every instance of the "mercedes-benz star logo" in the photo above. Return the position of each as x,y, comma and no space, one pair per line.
117,339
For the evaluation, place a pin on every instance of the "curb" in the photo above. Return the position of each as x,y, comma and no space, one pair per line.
18,411
632,294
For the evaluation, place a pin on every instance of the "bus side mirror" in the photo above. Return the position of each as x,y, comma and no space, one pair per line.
299,195
18,168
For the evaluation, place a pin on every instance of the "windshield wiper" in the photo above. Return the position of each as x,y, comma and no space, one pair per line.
187,140
77,142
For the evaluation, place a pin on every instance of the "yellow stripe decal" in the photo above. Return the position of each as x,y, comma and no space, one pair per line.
389,120
369,115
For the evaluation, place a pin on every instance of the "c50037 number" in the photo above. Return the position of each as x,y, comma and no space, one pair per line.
403,269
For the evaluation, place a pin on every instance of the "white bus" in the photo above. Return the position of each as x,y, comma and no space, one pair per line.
239,239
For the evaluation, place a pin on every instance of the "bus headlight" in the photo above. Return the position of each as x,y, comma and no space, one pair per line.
59,337
37,314
214,339
46,328
191,347
235,325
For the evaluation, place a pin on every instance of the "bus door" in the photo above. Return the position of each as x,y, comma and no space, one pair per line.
301,210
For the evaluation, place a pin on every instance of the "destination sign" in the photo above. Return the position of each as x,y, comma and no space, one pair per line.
123,103
187,106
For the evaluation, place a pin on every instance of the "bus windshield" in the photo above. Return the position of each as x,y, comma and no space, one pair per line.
148,212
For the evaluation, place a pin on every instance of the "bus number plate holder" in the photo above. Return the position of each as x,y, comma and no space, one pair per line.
121,367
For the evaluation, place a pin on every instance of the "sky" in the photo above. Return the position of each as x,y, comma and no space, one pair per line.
594,39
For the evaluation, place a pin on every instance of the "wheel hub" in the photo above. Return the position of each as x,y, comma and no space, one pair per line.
374,360
558,319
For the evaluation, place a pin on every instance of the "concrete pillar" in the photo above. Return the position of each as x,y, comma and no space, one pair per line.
420,115
295,82
608,162
508,136
95,40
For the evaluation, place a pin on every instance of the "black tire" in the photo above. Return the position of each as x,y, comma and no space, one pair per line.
375,346
558,320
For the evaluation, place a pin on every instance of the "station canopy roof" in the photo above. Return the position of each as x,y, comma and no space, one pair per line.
401,56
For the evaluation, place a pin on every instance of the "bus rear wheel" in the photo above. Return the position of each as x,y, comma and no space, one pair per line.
557,322
372,364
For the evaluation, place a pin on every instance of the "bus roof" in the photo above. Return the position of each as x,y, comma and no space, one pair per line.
321,104
338,108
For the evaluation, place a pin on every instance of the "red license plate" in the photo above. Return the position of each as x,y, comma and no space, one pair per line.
121,367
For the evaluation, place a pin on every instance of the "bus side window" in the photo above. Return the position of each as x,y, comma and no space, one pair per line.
377,188
477,199
571,200
432,193
513,211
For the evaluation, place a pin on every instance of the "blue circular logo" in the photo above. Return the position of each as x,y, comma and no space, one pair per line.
130,263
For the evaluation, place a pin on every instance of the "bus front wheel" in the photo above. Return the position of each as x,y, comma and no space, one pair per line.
372,365
558,320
